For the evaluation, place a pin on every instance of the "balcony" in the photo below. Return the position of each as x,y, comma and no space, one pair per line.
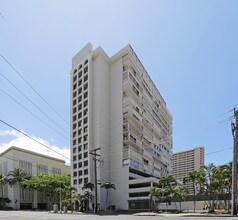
128,86
134,125
131,138
131,113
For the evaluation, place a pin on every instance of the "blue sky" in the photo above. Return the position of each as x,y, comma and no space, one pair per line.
189,48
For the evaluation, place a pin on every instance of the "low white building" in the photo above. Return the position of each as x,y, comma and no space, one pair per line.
32,163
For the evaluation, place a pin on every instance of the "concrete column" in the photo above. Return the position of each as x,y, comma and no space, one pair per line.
35,199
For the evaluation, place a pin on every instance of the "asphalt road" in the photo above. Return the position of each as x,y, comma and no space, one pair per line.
29,215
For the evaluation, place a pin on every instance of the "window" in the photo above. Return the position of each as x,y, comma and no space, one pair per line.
85,138
80,90
74,150
85,129
74,125
74,166
80,156
74,78
85,155
79,107
55,171
85,121
85,163
75,182
80,82
85,172
85,180
74,109
74,142
85,78
85,95
42,169
74,102
85,86
74,158
80,123
74,86
80,164
85,70
80,74
85,146
80,140
85,62
80,99
80,173
79,148
80,181
74,134
85,104
79,131
80,115
25,166
85,112
75,174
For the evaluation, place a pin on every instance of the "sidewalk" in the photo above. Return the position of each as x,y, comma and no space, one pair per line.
182,214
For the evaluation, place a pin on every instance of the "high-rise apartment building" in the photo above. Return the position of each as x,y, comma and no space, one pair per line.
187,161
115,106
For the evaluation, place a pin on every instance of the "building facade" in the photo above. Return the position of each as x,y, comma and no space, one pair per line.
32,163
187,161
116,107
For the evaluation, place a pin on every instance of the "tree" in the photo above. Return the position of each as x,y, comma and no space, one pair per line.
181,193
227,182
108,186
16,177
156,194
48,184
194,177
210,184
88,195
3,181
168,184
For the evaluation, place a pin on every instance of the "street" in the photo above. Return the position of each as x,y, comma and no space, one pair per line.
30,215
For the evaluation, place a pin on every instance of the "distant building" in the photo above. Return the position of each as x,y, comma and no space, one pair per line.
116,106
33,164
186,161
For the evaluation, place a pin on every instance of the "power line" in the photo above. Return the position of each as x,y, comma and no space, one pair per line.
225,112
33,139
2,16
33,114
43,112
214,152
33,88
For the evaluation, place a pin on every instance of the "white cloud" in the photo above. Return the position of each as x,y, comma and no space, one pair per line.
26,143
12,133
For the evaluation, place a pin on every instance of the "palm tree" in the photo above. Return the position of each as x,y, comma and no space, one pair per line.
168,184
193,177
156,194
16,177
88,196
227,182
3,181
210,185
181,193
108,186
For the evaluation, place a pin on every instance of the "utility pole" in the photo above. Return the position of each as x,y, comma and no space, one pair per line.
94,153
234,127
